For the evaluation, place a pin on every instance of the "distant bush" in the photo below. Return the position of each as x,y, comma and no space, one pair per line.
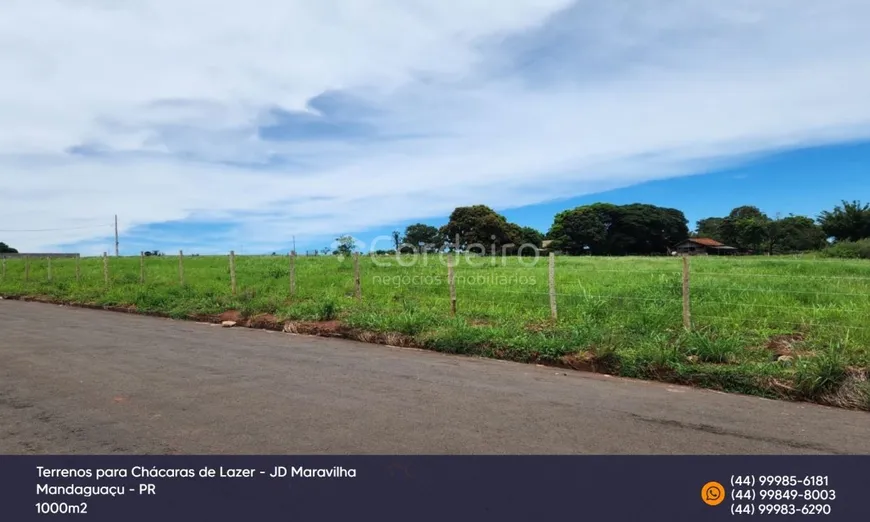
849,249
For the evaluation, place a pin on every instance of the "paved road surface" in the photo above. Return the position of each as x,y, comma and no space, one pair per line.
84,381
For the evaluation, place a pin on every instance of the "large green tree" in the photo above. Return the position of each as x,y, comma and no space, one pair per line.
516,237
746,228
424,238
709,227
478,225
795,234
531,236
6,249
607,229
847,222
582,230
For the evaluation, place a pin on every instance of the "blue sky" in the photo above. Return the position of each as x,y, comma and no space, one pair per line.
803,182
212,125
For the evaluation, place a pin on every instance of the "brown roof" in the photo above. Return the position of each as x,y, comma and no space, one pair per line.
706,241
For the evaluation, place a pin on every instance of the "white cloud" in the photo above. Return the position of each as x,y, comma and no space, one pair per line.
507,105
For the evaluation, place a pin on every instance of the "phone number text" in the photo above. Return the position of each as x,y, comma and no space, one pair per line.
785,481
781,509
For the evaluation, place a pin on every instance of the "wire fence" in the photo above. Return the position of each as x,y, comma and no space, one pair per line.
665,293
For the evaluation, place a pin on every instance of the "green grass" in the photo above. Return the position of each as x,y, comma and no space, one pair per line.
624,315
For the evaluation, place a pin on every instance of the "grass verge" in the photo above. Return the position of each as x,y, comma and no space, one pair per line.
774,327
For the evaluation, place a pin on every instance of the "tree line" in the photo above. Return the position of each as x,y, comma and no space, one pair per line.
751,230
635,229
638,229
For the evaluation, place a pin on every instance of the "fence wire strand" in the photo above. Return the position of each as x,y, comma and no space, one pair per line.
703,295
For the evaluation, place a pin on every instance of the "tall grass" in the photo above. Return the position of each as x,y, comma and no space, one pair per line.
779,327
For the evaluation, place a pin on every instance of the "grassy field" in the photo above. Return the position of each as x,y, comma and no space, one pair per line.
778,327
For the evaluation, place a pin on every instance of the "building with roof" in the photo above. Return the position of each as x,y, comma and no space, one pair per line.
704,246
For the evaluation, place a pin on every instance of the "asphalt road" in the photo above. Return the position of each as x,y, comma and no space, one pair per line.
83,382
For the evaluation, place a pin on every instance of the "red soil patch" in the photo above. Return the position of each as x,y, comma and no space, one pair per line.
265,322
322,328
126,309
260,322
337,329
665,374
230,315
582,362
389,339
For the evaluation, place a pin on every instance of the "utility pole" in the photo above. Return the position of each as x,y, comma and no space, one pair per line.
294,244
117,250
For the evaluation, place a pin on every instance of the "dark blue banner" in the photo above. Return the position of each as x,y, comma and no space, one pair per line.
287,488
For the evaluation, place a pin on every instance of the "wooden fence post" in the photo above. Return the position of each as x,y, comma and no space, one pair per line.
78,268
451,282
142,268
356,279
48,269
233,271
26,269
106,268
687,315
4,268
292,274
181,267
552,280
